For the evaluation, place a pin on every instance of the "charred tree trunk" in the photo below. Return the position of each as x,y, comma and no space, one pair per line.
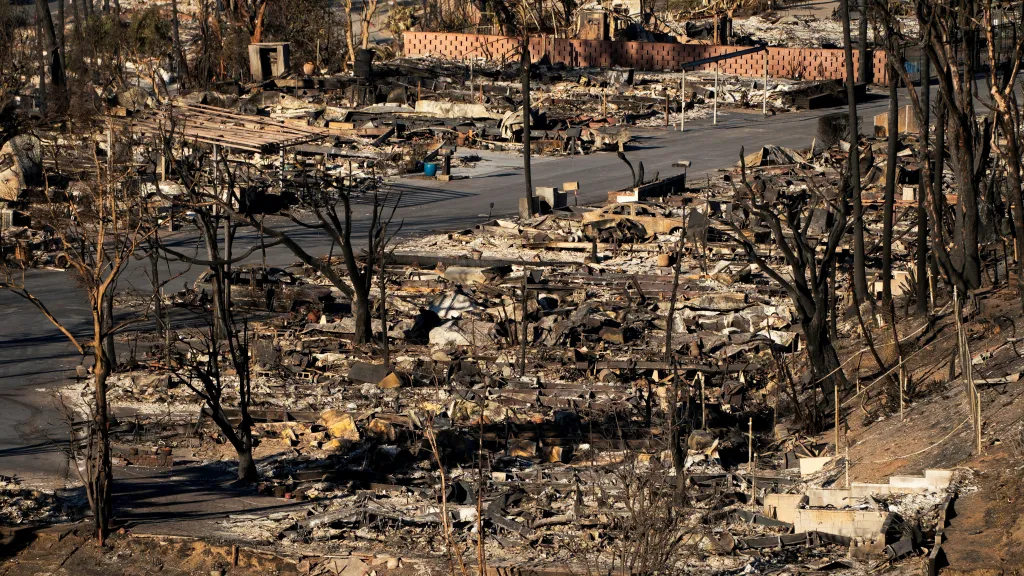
361,313
241,438
179,53
61,20
860,287
937,203
890,187
158,303
864,67
103,476
99,469
525,65
967,252
923,190
247,471
52,47
1015,184
109,348
76,15
385,345
219,285
823,357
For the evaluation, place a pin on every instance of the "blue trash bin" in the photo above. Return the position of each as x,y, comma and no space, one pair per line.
430,169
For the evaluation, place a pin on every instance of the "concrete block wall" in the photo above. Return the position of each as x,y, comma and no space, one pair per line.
864,489
920,483
821,497
866,524
932,481
794,63
783,506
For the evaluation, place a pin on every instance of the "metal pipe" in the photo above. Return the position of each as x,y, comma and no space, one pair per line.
764,106
714,59
714,118
665,90
682,110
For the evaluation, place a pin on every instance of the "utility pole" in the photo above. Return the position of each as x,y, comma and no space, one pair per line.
714,118
764,105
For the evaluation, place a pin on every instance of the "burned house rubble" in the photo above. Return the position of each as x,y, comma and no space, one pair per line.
638,291
526,407
408,118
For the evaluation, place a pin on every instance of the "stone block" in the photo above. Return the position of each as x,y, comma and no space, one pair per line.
390,382
340,425
810,466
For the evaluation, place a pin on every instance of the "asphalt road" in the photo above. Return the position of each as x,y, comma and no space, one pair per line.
35,358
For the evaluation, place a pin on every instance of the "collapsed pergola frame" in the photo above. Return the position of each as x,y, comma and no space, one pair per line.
229,130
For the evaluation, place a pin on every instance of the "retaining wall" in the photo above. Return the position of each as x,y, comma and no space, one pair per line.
932,481
867,524
793,63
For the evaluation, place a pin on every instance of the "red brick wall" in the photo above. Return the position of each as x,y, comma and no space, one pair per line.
879,68
796,63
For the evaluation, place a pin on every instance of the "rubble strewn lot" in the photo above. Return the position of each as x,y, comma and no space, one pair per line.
278,378
20,504
526,400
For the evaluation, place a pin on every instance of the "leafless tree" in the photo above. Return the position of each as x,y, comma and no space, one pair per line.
326,204
950,33
1006,106
99,228
205,373
369,11
179,52
892,139
809,277
210,185
349,34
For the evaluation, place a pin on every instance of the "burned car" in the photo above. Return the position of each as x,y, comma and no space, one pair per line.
629,220
274,289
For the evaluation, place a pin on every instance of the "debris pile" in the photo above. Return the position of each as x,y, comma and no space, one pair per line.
21,505
528,393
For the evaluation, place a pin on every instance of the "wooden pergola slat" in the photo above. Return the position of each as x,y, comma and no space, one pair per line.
232,130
